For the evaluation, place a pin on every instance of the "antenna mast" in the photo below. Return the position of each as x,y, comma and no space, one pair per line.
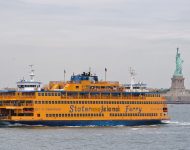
32,75
132,73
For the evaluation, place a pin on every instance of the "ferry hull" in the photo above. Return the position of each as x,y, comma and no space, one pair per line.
85,123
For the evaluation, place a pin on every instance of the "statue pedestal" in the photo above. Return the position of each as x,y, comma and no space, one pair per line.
178,84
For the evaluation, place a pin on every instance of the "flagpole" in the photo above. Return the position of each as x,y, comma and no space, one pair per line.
64,75
105,74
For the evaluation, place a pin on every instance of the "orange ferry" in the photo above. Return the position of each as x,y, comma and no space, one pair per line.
82,101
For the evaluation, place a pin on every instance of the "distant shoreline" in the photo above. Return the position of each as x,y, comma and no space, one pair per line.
178,102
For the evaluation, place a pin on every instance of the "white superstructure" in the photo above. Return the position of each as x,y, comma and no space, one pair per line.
133,86
29,85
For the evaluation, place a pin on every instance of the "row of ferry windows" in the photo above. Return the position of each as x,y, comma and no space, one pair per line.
99,102
132,114
74,115
49,94
102,115
103,94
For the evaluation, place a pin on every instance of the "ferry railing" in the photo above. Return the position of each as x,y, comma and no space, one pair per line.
16,97
17,104
101,96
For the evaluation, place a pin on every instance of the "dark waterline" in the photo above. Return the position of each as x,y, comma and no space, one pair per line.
172,136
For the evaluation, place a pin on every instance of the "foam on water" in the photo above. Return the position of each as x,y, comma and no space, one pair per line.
178,123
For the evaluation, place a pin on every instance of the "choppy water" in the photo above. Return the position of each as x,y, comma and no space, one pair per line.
173,136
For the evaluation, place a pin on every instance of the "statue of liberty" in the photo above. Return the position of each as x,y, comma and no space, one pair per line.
179,62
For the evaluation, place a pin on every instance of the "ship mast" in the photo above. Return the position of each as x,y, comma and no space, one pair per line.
132,73
32,75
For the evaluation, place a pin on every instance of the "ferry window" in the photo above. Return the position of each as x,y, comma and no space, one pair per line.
55,102
38,115
63,115
47,115
57,115
55,94
49,102
36,102
52,102
75,115
50,115
39,102
71,115
59,102
43,102
46,102
53,115
118,102
82,102
39,94
78,115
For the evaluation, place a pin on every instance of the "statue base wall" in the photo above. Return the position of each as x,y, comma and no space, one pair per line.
177,84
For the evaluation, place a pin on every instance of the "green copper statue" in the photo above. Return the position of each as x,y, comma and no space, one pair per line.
179,62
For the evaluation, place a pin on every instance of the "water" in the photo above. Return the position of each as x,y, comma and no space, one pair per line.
173,136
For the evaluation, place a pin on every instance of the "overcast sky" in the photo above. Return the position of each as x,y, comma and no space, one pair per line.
77,34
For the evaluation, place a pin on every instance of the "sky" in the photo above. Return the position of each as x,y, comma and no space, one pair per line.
75,35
